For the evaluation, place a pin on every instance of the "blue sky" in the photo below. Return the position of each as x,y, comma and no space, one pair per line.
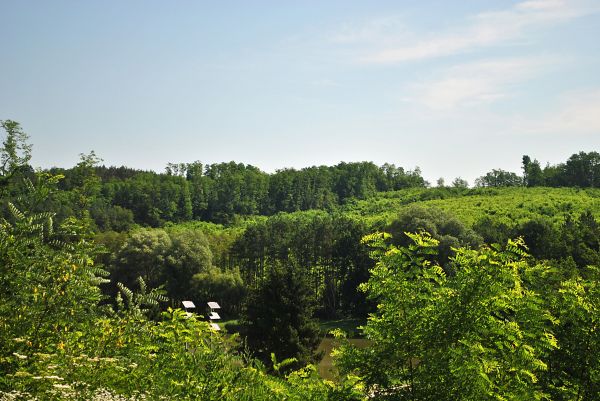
454,87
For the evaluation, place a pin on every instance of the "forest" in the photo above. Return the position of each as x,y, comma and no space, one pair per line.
482,292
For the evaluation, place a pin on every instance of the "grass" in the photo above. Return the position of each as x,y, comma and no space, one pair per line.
230,326
348,325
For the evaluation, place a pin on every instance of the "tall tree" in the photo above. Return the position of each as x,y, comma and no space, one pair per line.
532,172
15,151
460,183
583,169
278,317
144,254
574,367
188,255
15,172
479,334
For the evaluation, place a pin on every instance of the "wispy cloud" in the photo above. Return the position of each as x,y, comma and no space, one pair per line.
475,83
578,113
483,30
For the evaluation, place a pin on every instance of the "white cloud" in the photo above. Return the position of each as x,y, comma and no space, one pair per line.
475,83
577,114
487,29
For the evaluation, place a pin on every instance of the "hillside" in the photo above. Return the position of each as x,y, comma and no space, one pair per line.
511,205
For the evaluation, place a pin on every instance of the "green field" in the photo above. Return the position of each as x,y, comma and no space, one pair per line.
506,205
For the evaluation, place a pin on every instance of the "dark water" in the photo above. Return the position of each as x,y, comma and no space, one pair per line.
326,368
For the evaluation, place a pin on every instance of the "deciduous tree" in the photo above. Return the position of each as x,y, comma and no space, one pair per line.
480,334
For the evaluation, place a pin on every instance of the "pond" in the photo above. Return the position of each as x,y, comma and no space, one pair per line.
326,368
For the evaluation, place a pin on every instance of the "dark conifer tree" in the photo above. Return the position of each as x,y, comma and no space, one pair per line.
278,317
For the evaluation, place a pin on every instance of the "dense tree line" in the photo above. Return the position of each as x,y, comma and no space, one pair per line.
324,247
575,241
221,192
580,170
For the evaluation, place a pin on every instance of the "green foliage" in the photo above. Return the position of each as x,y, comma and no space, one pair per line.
16,176
224,287
325,246
460,183
479,334
583,170
144,254
451,323
15,151
580,170
57,342
111,218
48,278
189,254
141,303
227,192
86,184
574,367
499,178
577,239
509,206
493,231
220,238
153,198
532,173
235,189
278,319
169,258
445,228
